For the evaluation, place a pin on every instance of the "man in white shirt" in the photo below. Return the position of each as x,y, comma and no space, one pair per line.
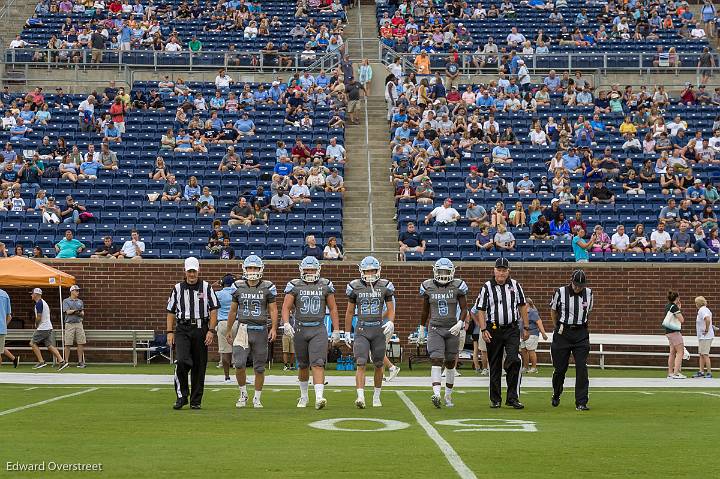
444,215
86,113
620,240
223,80
514,38
173,46
676,125
705,334
43,335
335,151
660,239
299,192
133,248
715,141
19,43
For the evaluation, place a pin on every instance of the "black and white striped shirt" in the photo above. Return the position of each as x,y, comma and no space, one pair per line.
190,302
572,308
500,302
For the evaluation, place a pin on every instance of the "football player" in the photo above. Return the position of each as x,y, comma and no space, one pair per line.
253,300
369,293
308,296
442,296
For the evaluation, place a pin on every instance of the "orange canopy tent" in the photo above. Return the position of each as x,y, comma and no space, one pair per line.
23,271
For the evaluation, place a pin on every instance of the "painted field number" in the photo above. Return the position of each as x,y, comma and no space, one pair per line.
489,425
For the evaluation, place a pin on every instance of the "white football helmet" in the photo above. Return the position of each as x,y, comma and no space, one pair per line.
253,261
443,271
310,269
369,263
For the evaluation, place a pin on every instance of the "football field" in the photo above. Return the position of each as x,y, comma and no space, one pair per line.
131,430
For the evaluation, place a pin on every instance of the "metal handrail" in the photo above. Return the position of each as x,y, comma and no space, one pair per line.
642,62
161,59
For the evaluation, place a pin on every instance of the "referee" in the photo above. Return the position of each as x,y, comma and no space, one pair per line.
570,310
499,308
191,322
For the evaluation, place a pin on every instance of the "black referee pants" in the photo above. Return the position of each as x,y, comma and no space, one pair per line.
577,343
504,340
191,356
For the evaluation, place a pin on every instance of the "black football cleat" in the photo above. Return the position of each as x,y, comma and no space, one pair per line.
515,404
180,403
495,404
195,406
582,407
555,401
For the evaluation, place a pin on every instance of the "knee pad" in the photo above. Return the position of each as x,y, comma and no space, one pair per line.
259,369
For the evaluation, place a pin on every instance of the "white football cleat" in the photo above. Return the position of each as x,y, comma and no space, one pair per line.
376,402
257,404
394,371
302,402
320,403
449,402
435,400
242,401
360,403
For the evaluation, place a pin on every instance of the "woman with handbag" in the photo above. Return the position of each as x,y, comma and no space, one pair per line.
673,324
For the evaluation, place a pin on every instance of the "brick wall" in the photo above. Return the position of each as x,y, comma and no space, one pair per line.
628,298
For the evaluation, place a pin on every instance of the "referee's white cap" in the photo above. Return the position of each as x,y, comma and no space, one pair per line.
192,263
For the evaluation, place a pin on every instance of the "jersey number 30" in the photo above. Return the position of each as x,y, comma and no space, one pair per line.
310,305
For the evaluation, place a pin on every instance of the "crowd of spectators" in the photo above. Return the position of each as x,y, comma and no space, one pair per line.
423,29
435,127
299,171
93,28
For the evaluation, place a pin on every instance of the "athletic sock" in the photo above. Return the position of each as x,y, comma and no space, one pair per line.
448,392
319,390
361,394
435,376
243,390
304,389
449,376
257,396
376,393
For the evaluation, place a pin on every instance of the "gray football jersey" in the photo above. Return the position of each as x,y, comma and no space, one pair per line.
310,298
253,301
443,298
370,298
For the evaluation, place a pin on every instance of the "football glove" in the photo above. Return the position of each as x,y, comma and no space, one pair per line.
388,328
455,330
335,337
288,330
348,339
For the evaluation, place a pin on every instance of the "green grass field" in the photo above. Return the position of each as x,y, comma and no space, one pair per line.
133,432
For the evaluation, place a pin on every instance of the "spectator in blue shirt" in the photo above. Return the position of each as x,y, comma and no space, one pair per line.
17,132
283,167
245,126
89,169
559,227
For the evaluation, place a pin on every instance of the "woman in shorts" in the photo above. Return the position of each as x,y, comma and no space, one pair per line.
677,348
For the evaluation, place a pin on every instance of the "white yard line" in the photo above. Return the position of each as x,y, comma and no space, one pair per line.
453,458
47,401
709,394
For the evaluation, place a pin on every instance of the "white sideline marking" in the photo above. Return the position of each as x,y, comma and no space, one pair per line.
30,389
453,458
711,394
154,389
40,403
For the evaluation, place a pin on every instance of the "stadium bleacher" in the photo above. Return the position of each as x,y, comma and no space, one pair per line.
212,24
615,51
119,199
